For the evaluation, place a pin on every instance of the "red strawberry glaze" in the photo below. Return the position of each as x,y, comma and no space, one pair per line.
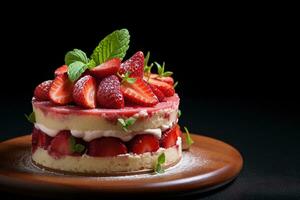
110,114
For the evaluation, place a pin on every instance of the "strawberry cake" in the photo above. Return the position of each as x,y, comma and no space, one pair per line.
102,115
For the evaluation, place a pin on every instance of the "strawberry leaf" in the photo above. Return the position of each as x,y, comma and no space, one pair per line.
160,160
30,117
147,68
179,113
126,78
161,70
175,84
114,45
78,148
189,139
126,123
76,55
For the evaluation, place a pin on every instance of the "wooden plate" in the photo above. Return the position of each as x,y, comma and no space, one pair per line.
209,164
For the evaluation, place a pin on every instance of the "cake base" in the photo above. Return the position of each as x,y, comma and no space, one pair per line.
117,165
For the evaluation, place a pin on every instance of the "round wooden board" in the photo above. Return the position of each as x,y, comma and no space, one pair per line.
209,164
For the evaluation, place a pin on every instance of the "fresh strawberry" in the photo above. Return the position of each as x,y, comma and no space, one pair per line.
166,88
166,79
160,96
61,90
40,139
108,68
134,65
106,146
84,92
143,143
61,145
61,70
169,137
139,92
109,94
41,92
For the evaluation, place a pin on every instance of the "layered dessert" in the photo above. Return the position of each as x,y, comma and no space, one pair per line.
103,115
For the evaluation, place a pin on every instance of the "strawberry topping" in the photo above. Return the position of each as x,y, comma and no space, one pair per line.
61,70
61,90
134,65
108,68
84,92
41,92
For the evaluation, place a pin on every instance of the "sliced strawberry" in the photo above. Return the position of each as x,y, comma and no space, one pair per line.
166,79
41,92
139,92
61,90
166,88
109,94
84,92
160,96
61,70
108,68
61,145
169,137
134,65
106,146
143,143
40,139
178,131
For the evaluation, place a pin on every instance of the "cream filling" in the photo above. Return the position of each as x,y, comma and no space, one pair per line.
93,134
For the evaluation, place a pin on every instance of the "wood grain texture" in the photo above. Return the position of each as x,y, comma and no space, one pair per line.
209,163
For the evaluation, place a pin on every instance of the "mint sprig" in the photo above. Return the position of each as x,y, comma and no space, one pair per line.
76,55
161,70
75,70
77,148
125,123
160,160
114,45
188,137
30,117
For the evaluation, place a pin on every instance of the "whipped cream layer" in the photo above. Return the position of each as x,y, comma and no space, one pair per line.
90,124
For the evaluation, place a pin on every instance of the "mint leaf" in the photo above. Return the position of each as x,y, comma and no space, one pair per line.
75,70
91,64
76,55
114,45
188,137
30,117
160,160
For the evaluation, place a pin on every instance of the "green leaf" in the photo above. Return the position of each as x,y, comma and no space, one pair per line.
126,123
160,160
147,68
78,148
76,55
75,70
175,84
114,45
30,117
91,64
161,70
189,139
126,78
179,113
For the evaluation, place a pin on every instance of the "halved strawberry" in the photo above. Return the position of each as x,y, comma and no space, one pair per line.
41,92
61,90
157,92
61,70
109,94
134,65
166,88
61,145
166,79
143,143
84,92
108,68
139,92
40,139
169,137
106,146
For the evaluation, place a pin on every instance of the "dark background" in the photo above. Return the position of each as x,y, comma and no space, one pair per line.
236,66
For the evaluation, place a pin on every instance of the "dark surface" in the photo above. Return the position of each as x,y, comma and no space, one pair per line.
236,69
